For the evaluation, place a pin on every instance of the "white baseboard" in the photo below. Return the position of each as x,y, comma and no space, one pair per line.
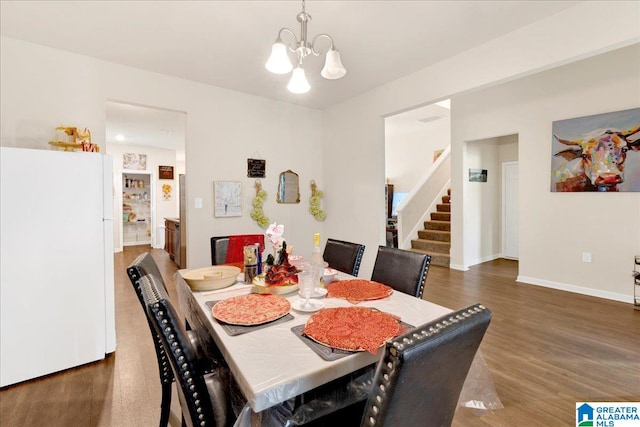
484,259
458,267
576,289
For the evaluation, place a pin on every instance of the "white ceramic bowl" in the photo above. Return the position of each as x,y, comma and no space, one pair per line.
330,274
210,278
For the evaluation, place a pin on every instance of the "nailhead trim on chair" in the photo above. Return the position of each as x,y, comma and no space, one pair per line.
143,265
388,368
356,267
156,304
423,279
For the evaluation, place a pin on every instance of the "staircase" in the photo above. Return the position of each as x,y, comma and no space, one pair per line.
435,239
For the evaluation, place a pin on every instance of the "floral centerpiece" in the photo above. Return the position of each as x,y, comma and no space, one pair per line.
278,270
278,243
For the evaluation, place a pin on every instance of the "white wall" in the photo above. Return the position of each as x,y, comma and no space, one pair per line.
43,88
354,134
163,208
556,228
409,155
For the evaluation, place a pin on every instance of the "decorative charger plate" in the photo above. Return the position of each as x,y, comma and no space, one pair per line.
357,290
352,328
260,287
251,309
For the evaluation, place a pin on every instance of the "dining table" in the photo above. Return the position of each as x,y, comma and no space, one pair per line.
274,362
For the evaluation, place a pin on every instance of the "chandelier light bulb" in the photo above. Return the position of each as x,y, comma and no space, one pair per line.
333,68
298,82
279,62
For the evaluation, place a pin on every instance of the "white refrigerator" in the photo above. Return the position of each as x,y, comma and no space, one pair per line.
56,261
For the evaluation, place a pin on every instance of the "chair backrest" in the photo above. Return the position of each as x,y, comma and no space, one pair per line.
343,256
228,249
144,265
403,270
420,375
200,407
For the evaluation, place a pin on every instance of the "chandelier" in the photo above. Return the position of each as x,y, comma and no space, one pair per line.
279,62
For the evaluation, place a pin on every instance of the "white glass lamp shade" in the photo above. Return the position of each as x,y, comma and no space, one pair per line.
298,82
333,68
279,62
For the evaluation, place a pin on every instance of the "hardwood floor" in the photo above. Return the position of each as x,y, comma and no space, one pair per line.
546,350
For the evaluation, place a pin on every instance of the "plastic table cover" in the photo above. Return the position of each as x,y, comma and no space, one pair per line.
272,366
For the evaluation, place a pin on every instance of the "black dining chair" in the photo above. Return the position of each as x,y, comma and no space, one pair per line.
403,270
143,265
420,375
343,256
203,394
228,249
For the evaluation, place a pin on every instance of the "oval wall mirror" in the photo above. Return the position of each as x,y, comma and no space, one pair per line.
288,187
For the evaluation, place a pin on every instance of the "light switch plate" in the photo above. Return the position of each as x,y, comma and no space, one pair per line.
198,202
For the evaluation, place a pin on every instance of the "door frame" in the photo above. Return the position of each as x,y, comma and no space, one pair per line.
504,227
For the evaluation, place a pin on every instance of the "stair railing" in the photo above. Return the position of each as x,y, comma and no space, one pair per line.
423,198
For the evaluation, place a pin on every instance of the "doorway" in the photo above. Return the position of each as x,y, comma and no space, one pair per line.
144,140
491,206
137,207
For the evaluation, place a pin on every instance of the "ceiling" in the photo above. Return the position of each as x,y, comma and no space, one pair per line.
226,43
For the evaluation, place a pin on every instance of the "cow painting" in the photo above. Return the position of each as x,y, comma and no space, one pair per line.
596,159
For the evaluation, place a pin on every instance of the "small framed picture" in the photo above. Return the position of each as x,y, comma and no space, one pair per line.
165,172
256,168
477,175
228,198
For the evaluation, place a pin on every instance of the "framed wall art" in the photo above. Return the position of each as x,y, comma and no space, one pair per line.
165,172
256,168
134,161
477,175
596,153
227,196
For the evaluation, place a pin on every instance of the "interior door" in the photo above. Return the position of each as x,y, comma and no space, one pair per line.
510,184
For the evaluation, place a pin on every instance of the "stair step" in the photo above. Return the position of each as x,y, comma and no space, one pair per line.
443,207
435,239
441,216
437,225
438,235
431,246
442,260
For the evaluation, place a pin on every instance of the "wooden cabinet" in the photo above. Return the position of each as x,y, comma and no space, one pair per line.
172,239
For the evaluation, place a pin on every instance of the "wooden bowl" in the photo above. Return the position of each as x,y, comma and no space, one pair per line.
210,278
